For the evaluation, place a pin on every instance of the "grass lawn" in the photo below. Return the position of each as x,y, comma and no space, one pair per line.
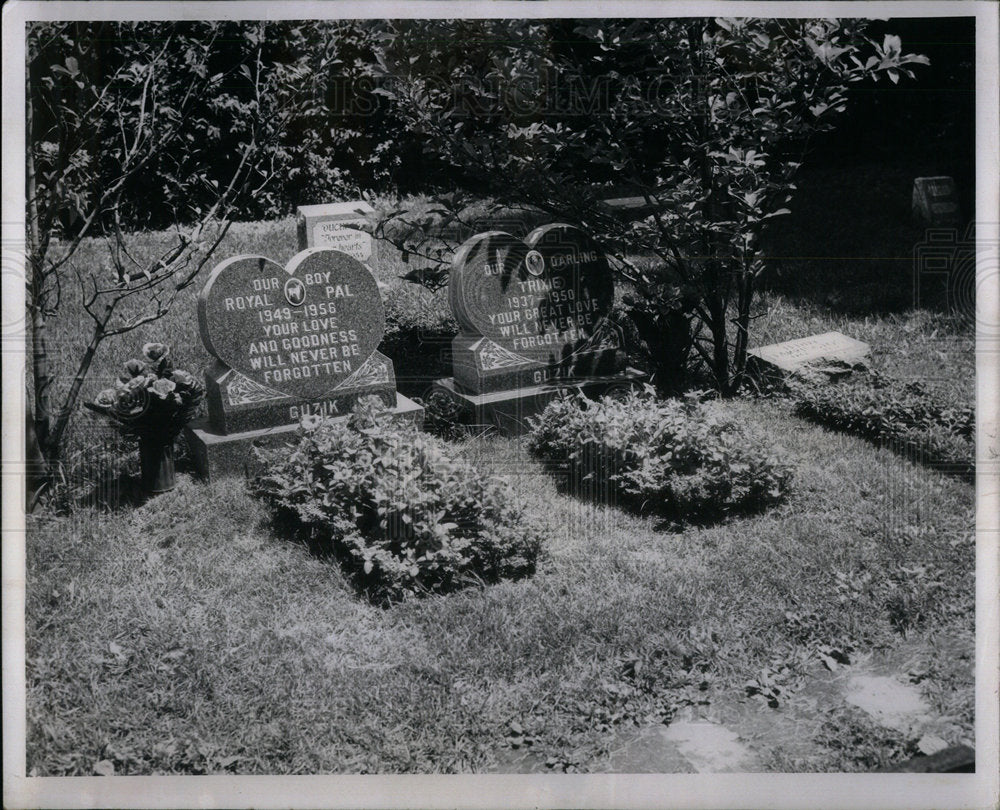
183,636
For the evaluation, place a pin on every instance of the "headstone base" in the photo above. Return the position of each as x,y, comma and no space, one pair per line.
216,455
508,411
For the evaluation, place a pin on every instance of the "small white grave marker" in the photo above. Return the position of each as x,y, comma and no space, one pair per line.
323,226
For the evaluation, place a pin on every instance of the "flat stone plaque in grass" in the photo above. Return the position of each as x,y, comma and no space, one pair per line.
830,354
288,342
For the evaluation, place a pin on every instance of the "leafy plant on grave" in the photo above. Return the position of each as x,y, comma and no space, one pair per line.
395,507
703,122
679,457
446,417
904,415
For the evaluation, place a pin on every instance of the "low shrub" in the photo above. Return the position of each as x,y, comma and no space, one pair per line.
389,500
904,415
680,457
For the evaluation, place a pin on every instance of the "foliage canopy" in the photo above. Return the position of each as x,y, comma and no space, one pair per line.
703,121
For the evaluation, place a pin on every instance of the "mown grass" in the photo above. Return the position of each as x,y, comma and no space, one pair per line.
182,637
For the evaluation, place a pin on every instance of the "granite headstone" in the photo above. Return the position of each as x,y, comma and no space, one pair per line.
935,201
288,342
533,316
532,311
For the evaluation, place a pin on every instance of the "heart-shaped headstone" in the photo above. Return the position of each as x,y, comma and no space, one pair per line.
541,298
302,329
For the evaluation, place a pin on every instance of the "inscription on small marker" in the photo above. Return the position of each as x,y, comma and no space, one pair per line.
935,201
327,226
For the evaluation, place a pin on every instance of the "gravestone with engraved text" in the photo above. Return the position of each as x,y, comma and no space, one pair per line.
935,201
534,318
327,226
288,342
826,356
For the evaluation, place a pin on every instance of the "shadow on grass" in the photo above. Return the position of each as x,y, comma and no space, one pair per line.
592,486
851,246
107,480
913,451
284,524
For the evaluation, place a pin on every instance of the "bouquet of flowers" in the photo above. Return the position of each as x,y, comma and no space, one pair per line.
152,399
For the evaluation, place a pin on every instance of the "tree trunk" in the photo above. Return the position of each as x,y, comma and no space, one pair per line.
676,329
62,421
41,379
720,349
668,339
742,326
715,296
40,374
36,470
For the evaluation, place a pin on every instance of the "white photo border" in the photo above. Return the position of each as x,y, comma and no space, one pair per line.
981,789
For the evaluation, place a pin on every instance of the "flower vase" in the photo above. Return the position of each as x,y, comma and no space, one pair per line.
156,458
